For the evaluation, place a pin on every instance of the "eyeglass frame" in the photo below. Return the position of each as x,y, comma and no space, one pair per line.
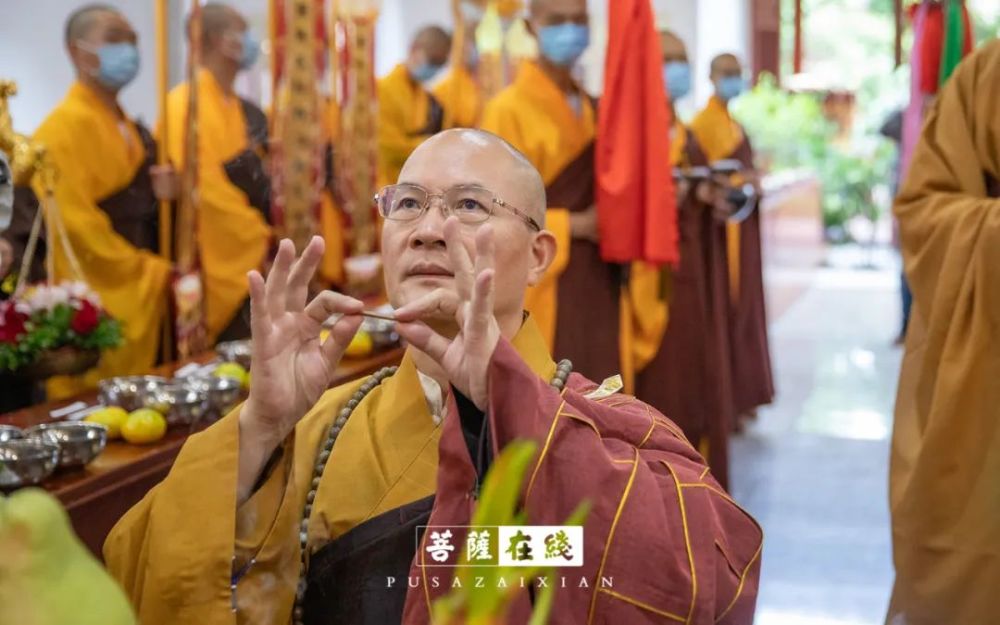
447,211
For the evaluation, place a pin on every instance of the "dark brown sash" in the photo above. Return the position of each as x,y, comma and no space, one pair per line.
348,579
573,188
435,118
134,211
992,186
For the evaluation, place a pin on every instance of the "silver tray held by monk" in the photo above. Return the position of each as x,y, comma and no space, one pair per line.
26,461
78,442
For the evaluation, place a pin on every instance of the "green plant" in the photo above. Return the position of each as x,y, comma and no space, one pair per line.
486,603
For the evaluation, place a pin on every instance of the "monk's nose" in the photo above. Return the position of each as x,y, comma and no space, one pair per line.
429,229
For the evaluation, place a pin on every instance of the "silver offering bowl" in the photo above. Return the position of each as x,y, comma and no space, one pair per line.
235,351
223,393
181,404
127,392
9,433
26,461
78,442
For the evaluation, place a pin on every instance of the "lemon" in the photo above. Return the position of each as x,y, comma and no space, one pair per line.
323,334
144,426
111,417
233,370
361,345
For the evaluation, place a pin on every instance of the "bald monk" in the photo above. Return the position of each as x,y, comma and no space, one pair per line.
722,138
105,192
459,92
350,473
407,112
234,188
681,343
946,437
550,118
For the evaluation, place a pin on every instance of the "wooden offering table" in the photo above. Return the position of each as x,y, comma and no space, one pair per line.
97,495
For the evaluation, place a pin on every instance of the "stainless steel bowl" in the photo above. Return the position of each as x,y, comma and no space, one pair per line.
127,392
222,393
235,351
9,433
383,333
27,461
181,404
78,442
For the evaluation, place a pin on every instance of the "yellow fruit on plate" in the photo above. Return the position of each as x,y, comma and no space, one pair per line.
111,417
323,334
233,370
361,345
144,426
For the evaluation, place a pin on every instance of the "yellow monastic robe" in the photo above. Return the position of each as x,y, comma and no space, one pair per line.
945,465
533,115
404,122
232,236
719,136
175,552
648,304
97,154
461,99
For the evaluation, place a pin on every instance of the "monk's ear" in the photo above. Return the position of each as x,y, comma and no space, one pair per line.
543,253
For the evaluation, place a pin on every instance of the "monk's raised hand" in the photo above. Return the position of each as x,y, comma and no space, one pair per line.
292,368
465,358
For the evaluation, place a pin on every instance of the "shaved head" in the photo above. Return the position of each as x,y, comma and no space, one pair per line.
81,22
217,19
464,162
673,47
435,42
522,184
726,64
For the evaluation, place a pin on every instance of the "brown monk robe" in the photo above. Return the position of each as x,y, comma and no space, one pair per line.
551,119
688,378
722,138
945,464
304,504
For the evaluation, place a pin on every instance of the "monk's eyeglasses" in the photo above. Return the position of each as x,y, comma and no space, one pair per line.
471,204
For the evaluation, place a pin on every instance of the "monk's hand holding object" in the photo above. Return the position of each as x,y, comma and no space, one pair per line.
466,357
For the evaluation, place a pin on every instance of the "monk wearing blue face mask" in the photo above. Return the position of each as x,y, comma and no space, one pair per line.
723,138
107,191
548,116
407,111
234,186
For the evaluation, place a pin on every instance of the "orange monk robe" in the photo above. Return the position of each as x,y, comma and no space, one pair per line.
722,137
98,154
945,462
232,236
577,303
407,115
461,99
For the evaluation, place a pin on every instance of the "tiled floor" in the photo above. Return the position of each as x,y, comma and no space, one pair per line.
813,468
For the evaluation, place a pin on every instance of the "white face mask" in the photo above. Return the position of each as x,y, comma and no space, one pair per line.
6,192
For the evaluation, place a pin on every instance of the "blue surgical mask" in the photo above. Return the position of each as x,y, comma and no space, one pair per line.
425,72
563,44
731,87
119,63
251,50
677,78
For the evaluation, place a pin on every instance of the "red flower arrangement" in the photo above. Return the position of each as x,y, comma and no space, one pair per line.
47,318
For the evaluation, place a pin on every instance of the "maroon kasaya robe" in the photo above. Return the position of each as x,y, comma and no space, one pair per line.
689,378
673,542
752,381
